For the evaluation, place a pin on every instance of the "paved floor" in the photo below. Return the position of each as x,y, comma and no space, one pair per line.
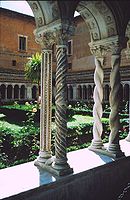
26,176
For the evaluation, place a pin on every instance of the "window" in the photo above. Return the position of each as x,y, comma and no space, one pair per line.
13,62
22,43
69,50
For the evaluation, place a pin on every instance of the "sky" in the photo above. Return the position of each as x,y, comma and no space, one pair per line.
18,6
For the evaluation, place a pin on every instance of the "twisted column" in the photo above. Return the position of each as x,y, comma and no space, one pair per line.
97,109
128,137
46,101
61,108
114,99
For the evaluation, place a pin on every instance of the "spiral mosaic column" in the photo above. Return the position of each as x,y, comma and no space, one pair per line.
97,109
61,108
114,98
46,103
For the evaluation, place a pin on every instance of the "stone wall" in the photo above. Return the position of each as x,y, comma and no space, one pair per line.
102,183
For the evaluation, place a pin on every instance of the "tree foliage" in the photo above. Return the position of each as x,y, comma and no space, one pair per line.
33,68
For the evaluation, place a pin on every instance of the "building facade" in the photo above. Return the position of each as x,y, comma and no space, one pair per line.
108,25
80,79
17,44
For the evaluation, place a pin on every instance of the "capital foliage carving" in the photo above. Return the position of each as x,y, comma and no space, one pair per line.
46,40
98,50
113,44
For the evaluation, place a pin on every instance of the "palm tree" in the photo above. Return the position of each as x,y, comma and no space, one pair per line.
33,69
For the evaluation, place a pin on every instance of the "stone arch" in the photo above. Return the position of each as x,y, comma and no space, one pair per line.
121,92
16,92
106,92
84,92
126,92
44,12
9,91
127,34
90,92
22,92
99,19
3,91
79,92
71,92
34,92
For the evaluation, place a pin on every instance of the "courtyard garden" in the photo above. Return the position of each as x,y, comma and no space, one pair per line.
20,131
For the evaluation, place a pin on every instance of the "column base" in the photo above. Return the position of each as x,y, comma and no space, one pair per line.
128,138
52,167
96,145
115,151
44,156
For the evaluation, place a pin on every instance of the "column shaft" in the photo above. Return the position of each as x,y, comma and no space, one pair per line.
114,98
97,109
46,101
128,137
61,108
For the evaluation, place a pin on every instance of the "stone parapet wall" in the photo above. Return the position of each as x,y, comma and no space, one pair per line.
106,182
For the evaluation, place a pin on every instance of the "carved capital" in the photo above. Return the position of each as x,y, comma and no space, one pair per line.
99,51
46,40
113,44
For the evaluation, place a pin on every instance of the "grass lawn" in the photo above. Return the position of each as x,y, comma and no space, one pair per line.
4,123
81,119
75,121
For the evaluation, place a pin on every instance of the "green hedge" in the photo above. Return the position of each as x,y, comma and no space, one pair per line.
21,146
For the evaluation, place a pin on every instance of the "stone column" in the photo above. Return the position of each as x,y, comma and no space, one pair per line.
114,98
46,103
45,155
128,137
19,92
60,162
74,92
29,92
6,92
99,53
